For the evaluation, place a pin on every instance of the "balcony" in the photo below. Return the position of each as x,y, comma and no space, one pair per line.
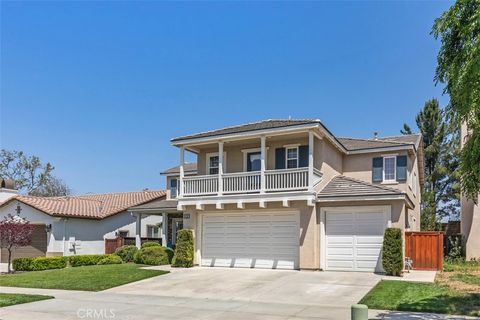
272,181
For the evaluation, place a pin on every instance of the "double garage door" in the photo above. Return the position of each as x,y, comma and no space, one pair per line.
38,247
251,240
354,238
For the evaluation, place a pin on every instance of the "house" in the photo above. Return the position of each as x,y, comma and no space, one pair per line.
74,225
470,219
289,194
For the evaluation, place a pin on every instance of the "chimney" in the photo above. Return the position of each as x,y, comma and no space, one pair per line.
375,135
7,189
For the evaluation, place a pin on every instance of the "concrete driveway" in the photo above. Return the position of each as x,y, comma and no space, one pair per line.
209,293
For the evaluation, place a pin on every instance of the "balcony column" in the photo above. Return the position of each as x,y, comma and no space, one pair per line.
182,173
220,168
262,164
310,160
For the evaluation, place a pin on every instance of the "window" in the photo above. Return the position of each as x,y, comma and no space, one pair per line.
152,231
213,165
123,233
173,188
254,161
292,158
389,166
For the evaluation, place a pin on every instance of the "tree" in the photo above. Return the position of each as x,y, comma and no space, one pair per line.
406,129
440,194
31,176
15,232
458,68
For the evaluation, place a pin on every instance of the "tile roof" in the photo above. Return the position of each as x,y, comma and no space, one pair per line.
352,144
187,167
260,125
159,203
341,186
94,206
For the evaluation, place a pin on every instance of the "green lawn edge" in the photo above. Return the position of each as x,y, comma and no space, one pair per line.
85,278
11,299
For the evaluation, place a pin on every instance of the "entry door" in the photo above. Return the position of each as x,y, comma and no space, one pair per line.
251,240
354,239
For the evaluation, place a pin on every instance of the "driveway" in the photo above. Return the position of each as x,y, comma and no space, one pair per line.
210,293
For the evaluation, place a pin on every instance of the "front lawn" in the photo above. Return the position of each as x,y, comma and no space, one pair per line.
88,278
9,299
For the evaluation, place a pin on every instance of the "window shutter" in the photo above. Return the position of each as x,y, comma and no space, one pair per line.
280,158
401,168
302,156
377,169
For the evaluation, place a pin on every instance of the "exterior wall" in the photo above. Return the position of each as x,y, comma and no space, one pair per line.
308,237
330,161
87,234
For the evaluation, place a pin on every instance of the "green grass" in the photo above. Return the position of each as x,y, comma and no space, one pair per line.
421,297
9,299
88,278
466,278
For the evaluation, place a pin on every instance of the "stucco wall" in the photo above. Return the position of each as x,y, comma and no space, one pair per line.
88,234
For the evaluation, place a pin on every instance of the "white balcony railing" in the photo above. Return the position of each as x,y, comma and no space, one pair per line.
249,182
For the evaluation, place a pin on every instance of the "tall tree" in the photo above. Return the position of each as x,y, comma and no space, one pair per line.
458,67
406,129
31,176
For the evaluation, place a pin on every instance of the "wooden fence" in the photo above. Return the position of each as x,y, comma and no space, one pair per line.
112,244
425,249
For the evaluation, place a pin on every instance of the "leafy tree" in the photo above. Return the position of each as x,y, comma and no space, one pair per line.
31,176
15,232
458,67
406,129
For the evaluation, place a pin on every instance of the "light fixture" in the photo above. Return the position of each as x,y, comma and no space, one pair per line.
48,228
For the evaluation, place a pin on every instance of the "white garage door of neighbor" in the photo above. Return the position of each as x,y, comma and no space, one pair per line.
354,239
251,240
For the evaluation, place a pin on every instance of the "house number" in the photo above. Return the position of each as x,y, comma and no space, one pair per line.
186,216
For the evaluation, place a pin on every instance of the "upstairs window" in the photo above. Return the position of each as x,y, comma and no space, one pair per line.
213,165
390,169
389,166
292,158
173,188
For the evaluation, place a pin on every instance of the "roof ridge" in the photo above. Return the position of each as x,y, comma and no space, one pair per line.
113,193
375,140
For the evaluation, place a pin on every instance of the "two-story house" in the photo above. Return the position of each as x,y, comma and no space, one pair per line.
289,194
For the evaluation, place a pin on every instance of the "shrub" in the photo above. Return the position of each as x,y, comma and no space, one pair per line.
85,259
170,252
184,249
455,253
392,257
150,244
39,263
154,256
110,259
126,252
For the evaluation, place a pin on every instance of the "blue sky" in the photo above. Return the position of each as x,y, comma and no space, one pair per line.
99,88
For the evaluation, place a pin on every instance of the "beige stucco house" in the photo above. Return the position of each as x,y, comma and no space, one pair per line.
289,194
470,220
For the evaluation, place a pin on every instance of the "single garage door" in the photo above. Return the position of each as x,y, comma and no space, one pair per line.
36,249
251,240
354,238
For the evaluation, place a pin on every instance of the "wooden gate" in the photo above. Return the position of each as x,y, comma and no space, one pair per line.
112,244
425,249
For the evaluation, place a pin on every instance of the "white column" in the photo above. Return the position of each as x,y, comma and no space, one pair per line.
138,232
182,162
262,164
310,160
164,229
220,168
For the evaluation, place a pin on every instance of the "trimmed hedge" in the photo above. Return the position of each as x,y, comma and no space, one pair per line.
184,250
126,252
392,256
85,259
154,256
110,259
150,244
39,263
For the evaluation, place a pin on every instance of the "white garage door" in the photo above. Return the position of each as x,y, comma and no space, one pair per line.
354,238
251,240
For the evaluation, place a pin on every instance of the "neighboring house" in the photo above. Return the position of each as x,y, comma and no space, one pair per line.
470,220
289,194
78,224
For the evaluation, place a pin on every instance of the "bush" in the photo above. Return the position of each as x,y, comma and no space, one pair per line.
39,263
392,257
153,256
85,259
184,249
170,252
110,259
150,244
455,253
126,252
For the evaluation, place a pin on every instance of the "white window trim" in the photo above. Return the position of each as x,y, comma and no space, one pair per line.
247,151
152,226
170,187
213,154
394,169
286,156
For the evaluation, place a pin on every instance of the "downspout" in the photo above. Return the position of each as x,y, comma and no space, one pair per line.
64,234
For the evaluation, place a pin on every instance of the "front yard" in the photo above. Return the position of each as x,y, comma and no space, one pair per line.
456,291
10,299
88,278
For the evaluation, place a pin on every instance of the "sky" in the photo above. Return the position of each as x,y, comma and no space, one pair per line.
99,88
